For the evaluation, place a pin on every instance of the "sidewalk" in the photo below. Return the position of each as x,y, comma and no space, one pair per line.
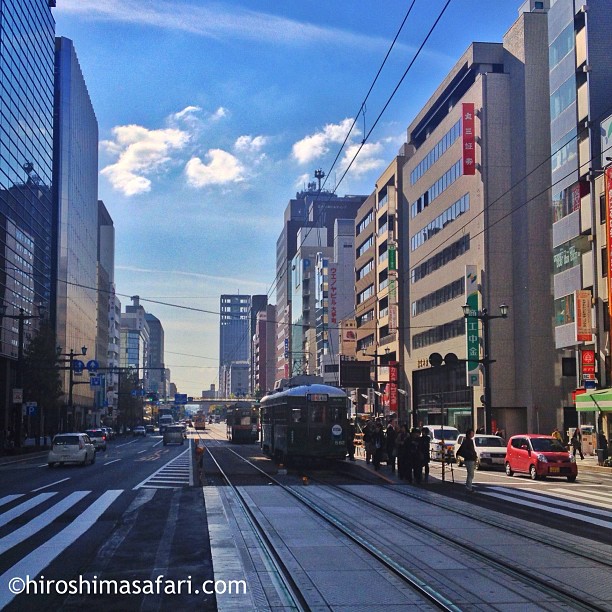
588,465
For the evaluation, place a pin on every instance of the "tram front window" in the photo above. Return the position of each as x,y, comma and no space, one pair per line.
336,415
298,415
317,414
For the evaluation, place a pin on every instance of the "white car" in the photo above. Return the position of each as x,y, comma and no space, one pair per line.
71,448
438,433
491,450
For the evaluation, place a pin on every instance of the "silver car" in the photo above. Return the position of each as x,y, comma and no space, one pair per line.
174,434
71,448
98,438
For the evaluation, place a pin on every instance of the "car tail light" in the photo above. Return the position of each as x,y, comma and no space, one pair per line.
104,437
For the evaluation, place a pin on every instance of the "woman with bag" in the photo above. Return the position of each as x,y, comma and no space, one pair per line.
467,451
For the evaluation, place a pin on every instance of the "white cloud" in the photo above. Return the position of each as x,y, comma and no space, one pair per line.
187,111
219,114
250,144
369,158
222,168
302,181
316,145
216,22
141,152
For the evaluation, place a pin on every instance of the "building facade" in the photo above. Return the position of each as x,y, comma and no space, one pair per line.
156,378
26,199
76,224
580,74
234,343
475,185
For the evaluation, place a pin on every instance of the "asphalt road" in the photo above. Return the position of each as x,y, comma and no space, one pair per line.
131,517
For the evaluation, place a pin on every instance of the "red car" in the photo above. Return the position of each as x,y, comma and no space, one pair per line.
539,456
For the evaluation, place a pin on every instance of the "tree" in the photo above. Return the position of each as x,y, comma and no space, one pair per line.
41,379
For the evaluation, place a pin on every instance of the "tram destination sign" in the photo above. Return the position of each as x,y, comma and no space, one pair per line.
317,397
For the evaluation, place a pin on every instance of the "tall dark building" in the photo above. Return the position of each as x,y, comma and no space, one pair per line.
75,181
27,32
234,343
311,208
157,373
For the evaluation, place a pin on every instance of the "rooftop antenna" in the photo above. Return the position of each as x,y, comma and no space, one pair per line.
319,174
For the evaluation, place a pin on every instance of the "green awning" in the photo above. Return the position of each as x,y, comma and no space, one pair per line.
599,399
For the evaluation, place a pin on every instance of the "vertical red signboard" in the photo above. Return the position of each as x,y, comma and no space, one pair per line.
469,139
393,386
588,365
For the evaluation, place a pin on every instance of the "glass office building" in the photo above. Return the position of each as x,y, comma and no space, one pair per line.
76,222
27,32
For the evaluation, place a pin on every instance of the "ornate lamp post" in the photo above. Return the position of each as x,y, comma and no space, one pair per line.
486,361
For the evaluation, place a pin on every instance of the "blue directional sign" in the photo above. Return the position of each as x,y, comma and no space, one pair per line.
95,381
92,365
180,398
77,366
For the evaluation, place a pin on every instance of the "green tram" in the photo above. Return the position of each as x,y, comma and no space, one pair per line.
242,423
304,424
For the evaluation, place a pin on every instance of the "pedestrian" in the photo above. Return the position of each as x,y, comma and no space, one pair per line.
400,452
414,460
467,451
390,442
557,434
350,441
368,440
576,443
424,449
378,439
602,445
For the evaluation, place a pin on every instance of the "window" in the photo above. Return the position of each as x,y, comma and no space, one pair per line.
563,97
432,156
561,46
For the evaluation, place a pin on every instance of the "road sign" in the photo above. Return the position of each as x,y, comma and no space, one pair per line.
77,366
17,396
180,398
95,381
92,365
30,408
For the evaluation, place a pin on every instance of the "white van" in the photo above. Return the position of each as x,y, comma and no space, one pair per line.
165,421
437,433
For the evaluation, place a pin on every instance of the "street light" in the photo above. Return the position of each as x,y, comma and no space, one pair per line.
486,361
21,318
71,355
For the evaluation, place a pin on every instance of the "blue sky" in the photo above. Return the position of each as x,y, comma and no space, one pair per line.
213,114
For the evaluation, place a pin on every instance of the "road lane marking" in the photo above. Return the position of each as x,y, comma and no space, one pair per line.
37,560
49,485
125,443
167,465
40,522
552,509
112,461
142,451
9,498
21,508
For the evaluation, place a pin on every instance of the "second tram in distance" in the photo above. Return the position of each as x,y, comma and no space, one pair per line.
242,422
305,423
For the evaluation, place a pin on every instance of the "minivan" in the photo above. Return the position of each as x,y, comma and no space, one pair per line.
539,456
165,421
437,433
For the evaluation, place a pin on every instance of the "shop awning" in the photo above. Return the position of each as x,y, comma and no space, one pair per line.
599,399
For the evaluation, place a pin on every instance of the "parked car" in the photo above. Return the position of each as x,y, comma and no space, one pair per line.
539,456
491,450
71,448
150,429
98,438
174,434
139,430
437,433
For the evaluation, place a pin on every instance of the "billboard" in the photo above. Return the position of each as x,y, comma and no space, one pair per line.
355,374
469,139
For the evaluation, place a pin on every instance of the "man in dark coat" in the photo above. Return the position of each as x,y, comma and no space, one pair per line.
424,449
391,438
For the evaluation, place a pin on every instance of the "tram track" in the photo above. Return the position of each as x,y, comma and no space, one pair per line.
576,601
579,549
428,594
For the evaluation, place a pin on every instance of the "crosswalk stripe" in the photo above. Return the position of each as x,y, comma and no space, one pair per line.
549,499
40,522
9,498
33,564
13,513
552,509
184,460
596,499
